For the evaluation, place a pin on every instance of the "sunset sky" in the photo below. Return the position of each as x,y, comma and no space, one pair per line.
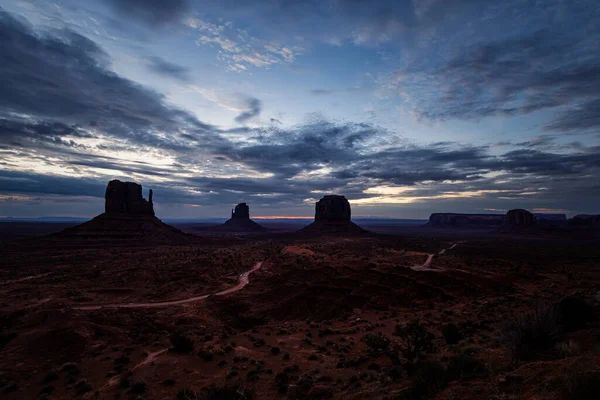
406,107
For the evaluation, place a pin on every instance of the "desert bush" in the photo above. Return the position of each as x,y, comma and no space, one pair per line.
377,342
187,394
581,385
574,313
226,392
181,343
465,366
413,340
138,388
532,335
428,379
451,334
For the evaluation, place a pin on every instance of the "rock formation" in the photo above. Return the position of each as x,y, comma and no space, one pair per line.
585,220
242,211
240,221
126,197
452,220
128,216
519,217
332,215
332,208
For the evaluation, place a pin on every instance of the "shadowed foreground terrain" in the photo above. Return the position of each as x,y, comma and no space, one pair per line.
371,316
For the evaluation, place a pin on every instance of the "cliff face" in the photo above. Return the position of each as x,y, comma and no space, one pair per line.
332,216
126,197
332,208
519,217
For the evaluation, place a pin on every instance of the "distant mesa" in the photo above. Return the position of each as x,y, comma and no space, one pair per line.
520,217
128,216
585,220
469,221
240,221
332,215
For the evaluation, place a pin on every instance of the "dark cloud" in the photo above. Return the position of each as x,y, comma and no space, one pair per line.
254,107
548,62
62,79
151,12
163,67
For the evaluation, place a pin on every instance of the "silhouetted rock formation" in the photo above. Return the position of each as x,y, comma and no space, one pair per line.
585,220
452,220
332,215
240,221
127,216
126,197
551,220
519,217
242,211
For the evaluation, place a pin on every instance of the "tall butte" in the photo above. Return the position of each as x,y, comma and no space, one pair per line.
240,221
332,215
127,215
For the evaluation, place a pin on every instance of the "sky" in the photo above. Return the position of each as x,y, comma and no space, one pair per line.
406,107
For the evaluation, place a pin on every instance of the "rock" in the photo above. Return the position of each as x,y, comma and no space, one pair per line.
320,392
240,221
242,211
332,216
126,197
452,220
585,220
332,208
519,217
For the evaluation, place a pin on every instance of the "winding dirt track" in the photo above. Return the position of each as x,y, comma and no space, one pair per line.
243,280
425,265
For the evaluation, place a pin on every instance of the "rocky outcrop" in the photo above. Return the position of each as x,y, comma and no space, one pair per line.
585,220
452,220
127,217
240,221
126,197
332,208
332,216
241,211
519,217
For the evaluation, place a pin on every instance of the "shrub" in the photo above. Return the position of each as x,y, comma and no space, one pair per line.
574,313
413,340
181,343
138,388
451,334
377,342
226,392
581,385
429,379
465,366
532,335
187,394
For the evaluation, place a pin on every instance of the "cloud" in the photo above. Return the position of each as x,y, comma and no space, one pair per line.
547,64
151,12
166,68
240,50
253,108
68,90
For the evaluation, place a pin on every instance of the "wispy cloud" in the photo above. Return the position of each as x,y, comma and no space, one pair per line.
240,50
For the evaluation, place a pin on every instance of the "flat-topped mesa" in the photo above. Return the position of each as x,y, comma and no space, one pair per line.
466,220
519,217
126,198
242,211
332,208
